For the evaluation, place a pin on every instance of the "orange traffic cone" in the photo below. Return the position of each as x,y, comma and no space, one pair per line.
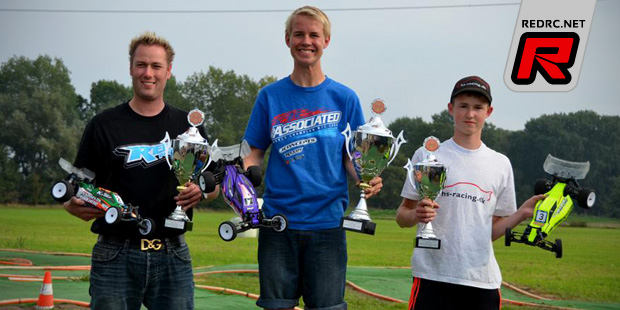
46,296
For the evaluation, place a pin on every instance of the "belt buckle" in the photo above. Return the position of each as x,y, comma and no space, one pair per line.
146,244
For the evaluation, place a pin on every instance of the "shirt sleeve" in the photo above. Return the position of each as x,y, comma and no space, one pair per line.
357,115
90,150
257,132
506,197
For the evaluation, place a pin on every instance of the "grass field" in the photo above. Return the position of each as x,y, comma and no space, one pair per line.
589,271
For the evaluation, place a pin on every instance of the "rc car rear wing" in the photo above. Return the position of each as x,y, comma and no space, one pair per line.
229,153
566,169
81,173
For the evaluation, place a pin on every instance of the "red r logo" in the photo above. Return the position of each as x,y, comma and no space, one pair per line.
550,53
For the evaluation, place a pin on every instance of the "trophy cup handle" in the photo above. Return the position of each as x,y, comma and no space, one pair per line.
409,168
167,148
347,139
211,149
399,141
215,153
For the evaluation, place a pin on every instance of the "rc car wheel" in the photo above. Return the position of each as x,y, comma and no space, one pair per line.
508,237
112,215
558,248
542,186
586,198
254,176
228,231
280,221
206,182
62,191
146,226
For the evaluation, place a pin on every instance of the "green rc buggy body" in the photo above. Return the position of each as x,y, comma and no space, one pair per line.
562,193
79,184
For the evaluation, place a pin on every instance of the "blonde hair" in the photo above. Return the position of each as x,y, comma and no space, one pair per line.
312,12
150,38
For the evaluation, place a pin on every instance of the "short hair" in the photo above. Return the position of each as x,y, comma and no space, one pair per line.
150,38
312,12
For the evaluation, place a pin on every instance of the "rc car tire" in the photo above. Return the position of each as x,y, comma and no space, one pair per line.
586,198
206,182
558,248
62,191
227,231
281,221
254,175
112,215
146,226
508,237
542,186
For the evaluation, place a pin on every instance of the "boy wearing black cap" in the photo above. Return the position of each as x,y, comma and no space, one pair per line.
477,205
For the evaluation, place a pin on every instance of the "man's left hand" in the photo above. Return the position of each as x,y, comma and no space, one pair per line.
189,197
376,184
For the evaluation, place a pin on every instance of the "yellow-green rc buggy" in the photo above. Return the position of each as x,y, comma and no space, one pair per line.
562,193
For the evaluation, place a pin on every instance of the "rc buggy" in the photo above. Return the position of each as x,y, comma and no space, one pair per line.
79,184
562,193
238,190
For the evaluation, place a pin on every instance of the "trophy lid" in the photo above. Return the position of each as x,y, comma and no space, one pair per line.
375,125
195,118
431,144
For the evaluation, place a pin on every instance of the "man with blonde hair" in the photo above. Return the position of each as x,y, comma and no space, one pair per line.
301,117
122,146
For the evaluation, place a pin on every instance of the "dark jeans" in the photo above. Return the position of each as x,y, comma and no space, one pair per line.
295,263
123,277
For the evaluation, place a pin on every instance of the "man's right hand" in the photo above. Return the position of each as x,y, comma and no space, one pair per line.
77,207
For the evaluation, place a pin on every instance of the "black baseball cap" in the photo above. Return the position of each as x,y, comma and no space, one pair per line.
472,83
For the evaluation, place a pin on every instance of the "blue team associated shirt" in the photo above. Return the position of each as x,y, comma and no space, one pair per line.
306,179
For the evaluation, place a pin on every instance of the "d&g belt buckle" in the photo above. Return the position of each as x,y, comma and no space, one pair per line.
146,244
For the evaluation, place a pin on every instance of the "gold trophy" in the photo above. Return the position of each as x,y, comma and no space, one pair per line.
188,156
374,148
429,178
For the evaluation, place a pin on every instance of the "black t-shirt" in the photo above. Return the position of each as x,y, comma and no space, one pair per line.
124,150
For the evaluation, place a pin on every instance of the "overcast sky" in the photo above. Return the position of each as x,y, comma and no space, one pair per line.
408,52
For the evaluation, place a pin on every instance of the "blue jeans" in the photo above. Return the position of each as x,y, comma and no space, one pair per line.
296,263
123,277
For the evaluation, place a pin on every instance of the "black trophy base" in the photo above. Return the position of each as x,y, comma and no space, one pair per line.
179,224
360,226
427,243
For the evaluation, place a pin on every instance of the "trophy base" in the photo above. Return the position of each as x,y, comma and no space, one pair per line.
179,224
427,243
360,226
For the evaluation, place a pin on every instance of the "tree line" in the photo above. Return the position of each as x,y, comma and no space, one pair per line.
42,119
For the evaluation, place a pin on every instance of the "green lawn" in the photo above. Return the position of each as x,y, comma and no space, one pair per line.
589,271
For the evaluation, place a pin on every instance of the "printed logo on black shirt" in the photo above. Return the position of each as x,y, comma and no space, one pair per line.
145,155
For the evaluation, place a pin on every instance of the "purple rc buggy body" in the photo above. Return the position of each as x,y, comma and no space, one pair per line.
238,190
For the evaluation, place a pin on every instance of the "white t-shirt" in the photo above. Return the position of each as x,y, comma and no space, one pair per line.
479,185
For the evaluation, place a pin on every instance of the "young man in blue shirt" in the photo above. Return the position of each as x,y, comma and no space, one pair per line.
302,116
